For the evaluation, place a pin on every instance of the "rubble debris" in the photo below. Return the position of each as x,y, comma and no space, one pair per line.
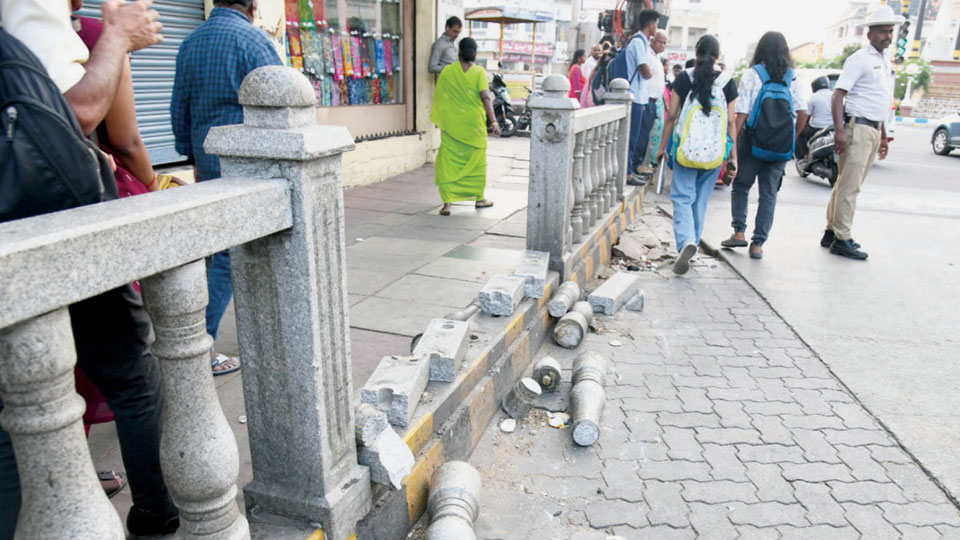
559,420
587,397
454,502
508,425
533,269
381,449
501,295
567,294
635,303
521,398
547,374
573,327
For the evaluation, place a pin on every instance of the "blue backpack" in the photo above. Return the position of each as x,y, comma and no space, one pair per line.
617,68
771,123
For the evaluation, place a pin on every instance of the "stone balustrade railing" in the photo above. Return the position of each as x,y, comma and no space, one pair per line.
578,166
279,208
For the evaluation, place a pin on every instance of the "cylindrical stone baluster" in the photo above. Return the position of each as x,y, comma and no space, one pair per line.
614,128
454,502
601,168
587,213
576,213
62,497
598,210
587,397
606,167
198,452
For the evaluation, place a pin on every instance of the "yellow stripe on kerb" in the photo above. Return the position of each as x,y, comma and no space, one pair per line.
514,329
588,266
546,296
418,435
481,410
418,481
318,535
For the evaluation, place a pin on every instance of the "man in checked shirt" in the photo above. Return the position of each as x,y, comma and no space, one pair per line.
211,64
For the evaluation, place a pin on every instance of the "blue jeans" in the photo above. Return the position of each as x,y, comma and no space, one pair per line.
646,126
220,289
768,176
636,127
690,192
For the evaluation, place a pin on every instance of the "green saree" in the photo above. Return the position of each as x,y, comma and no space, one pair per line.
461,170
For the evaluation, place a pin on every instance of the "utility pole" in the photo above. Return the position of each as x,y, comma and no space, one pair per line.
956,48
915,53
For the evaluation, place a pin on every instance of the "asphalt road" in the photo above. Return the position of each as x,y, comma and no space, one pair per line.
889,327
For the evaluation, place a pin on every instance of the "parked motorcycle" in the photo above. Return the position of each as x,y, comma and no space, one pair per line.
524,120
502,107
820,159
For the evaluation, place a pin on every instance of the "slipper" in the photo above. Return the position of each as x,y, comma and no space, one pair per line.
484,204
222,359
756,254
444,212
733,242
112,482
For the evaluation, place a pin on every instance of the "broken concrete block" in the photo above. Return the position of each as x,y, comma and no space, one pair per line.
533,269
395,387
389,458
444,345
547,374
567,294
635,303
574,326
587,397
454,502
522,397
614,293
501,295
370,423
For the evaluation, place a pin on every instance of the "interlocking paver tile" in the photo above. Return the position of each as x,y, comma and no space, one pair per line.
719,491
816,472
822,509
728,435
771,486
867,492
770,453
711,522
772,430
732,415
861,463
724,464
921,513
818,532
768,514
683,444
869,520
666,505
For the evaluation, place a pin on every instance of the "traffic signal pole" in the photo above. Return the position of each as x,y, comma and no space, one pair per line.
915,53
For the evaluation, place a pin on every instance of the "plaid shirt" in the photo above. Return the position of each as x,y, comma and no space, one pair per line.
211,64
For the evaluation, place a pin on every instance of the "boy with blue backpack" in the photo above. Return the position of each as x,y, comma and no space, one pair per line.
771,112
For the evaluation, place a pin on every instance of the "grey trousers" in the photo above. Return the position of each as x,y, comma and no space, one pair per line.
768,176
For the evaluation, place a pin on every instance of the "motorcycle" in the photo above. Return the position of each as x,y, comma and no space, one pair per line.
820,159
523,121
502,108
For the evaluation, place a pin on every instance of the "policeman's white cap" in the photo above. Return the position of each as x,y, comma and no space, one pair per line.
883,16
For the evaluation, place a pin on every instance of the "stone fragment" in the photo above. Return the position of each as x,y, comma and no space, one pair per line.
522,397
587,397
370,423
454,502
547,374
567,294
509,425
444,345
614,293
559,420
395,387
388,457
533,269
501,295
635,303
574,326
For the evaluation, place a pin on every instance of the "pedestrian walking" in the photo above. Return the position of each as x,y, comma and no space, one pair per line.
771,110
702,108
861,103
211,64
444,49
462,103
653,110
818,112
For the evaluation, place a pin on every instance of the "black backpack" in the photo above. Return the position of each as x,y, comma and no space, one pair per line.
46,164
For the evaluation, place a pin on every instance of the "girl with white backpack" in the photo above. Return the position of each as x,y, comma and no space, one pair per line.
702,110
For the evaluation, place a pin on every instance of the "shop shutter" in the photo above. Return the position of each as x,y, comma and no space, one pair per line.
153,73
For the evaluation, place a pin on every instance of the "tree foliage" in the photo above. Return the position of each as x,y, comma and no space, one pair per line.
831,63
921,80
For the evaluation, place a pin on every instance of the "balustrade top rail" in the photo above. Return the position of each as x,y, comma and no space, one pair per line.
51,261
593,117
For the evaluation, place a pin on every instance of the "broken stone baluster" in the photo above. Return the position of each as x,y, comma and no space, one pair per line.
522,397
587,397
454,502
573,327
380,448
567,294
464,313
547,374
396,386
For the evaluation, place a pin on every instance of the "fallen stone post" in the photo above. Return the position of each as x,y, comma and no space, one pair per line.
381,449
533,269
567,294
573,327
501,295
395,387
614,293
521,398
443,345
587,397
464,314
454,502
547,374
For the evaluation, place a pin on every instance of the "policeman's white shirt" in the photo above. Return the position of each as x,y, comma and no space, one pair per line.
656,83
749,89
868,79
819,108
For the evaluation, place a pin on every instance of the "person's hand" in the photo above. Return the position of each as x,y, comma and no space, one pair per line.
884,147
177,181
732,168
496,130
110,160
133,22
840,141
661,154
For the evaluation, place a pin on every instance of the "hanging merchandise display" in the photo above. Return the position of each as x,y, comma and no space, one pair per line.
349,49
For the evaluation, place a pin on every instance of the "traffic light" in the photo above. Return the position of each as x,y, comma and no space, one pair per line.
902,39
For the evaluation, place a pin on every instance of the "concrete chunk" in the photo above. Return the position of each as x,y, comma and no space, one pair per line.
501,295
395,387
370,423
567,294
444,345
614,293
636,303
389,458
533,269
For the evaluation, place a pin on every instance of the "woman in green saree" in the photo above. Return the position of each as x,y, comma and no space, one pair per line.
461,104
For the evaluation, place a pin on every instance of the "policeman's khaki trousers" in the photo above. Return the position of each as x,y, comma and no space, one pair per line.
863,142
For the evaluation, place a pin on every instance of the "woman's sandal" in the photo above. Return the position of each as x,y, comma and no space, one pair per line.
218,359
733,242
484,204
112,482
445,211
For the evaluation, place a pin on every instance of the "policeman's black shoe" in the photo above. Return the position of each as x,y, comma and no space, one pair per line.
636,180
829,237
847,248
142,522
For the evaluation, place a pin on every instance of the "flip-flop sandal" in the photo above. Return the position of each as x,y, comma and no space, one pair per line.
112,482
484,204
222,359
733,242
444,212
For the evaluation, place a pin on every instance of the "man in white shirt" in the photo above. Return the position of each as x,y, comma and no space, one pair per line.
654,87
861,103
638,71
819,111
591,62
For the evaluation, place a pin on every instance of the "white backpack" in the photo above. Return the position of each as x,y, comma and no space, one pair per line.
701,140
